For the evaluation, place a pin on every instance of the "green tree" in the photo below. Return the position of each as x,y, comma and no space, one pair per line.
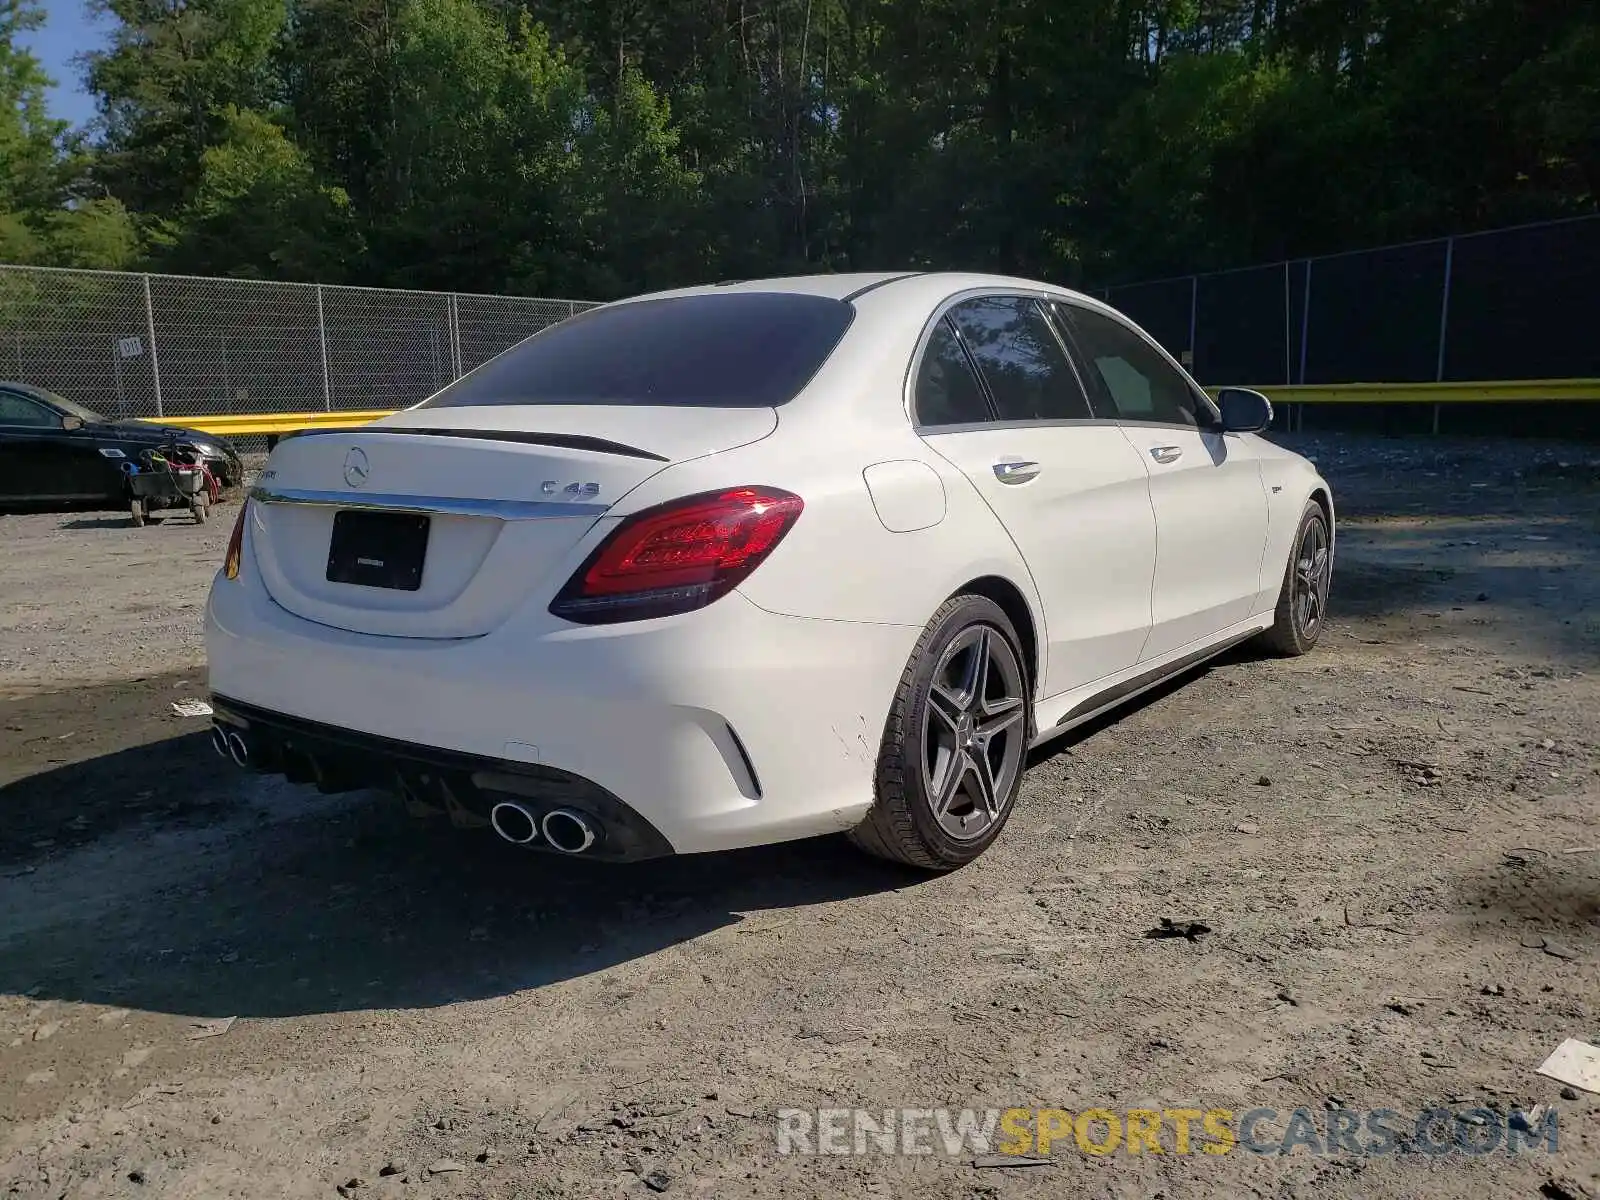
630,198
49,213
476,153
174,71
615,145
259,211
30,149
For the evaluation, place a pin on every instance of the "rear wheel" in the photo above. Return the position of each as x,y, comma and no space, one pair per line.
1302,603
951,761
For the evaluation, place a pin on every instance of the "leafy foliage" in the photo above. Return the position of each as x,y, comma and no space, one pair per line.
598,147
50,211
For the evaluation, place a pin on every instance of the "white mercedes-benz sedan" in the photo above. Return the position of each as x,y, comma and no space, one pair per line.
764,560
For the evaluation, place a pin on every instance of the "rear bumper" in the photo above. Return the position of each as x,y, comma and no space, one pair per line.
467,786
727,727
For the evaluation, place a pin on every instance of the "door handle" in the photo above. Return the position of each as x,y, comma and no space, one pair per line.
1166,454
1015,471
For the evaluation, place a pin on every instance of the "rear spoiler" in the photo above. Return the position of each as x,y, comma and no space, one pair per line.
567,441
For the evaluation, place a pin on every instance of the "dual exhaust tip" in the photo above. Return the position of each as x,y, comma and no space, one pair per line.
230,745
563,829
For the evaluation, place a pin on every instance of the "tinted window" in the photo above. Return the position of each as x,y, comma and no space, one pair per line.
1139,382
1020,359
948,392
15,410
727,350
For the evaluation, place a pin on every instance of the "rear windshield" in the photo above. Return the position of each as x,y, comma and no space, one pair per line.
723,350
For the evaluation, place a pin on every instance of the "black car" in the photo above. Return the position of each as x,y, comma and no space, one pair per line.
54,449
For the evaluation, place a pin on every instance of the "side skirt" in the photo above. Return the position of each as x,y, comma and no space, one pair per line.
1088,703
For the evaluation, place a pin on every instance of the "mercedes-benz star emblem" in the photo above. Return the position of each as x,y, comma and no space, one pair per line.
356,467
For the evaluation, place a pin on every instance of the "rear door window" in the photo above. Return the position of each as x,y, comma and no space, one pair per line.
717,350
1021,359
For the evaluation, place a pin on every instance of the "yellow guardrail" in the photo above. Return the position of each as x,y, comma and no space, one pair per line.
272,424
1500,391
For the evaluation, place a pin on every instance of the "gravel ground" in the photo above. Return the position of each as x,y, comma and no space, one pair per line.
1394,843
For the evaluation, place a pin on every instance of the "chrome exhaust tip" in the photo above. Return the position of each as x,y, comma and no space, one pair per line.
219,741
568,831
238,751
514,823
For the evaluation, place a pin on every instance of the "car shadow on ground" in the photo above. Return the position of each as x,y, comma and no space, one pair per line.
105,522
20,507
1078,734
152,878
81,762
1526,561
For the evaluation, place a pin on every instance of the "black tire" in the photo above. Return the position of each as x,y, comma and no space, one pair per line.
902,825
1303,600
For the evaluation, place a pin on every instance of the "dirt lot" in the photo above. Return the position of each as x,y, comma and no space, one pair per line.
1395,842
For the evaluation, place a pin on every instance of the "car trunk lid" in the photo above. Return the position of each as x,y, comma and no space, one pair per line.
439,523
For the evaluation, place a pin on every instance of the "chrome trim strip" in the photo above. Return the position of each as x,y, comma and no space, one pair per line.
1136,423
450,506
1118,693
1055,423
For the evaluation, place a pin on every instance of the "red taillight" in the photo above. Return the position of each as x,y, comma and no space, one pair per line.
230,564
678,556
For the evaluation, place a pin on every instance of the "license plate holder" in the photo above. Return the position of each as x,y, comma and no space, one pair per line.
378,549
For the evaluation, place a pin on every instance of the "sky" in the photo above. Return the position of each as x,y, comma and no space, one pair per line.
69,29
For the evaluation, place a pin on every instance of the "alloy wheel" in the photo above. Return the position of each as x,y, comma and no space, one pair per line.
1311,578
973,735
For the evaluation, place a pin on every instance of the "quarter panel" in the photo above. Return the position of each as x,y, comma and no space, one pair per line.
840,562
906,493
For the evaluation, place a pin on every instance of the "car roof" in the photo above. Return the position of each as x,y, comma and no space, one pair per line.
850,285
892,310
834,287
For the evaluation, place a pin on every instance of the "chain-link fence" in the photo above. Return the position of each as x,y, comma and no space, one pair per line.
1506,304
170,345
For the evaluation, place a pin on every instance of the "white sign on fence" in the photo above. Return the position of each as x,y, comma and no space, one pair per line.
130,347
